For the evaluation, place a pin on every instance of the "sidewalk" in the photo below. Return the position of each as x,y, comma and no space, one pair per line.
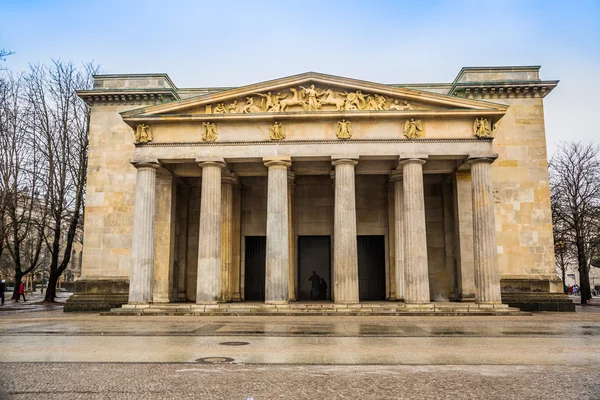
33,303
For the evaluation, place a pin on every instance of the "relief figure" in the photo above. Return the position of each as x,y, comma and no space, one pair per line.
344,129
220,109
329,98
400,107
295,100
266,103
413,128
276,102
481,128
209,131
234,107
249,106
276,131
143,134
312,93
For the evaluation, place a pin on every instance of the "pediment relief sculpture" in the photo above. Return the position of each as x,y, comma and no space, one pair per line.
414,128
344,129
209,132
481,128
309,98
143,134
276,131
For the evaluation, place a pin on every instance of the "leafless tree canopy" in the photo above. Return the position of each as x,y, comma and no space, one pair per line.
43,162
575,195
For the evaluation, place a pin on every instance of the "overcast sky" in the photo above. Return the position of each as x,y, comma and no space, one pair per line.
232,43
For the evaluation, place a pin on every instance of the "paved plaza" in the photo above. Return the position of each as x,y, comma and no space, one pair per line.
46,353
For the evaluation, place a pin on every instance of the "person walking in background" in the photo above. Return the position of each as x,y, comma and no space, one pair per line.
2,289
21,292
315,280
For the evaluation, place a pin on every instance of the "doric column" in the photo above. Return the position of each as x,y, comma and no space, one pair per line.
416,274
227,181
209,243
278,258
487,276
141,278
293,275
398,244
236,243
164,238
345,256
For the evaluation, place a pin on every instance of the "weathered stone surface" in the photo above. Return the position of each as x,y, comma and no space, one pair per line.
277,262
416,275
519,177
141,283
345,256
487,277
208,289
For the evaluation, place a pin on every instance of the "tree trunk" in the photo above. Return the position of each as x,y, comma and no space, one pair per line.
584,276
51,289
18,277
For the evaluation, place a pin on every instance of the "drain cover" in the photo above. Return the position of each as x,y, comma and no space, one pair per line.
234,343
214,360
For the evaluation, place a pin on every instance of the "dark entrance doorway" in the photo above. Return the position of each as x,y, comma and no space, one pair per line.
314,254
371,268
254,279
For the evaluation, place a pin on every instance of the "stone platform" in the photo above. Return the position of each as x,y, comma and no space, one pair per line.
317,308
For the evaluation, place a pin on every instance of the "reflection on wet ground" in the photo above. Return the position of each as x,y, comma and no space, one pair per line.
549,339
336,328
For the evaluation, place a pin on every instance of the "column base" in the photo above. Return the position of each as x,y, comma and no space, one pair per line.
98,295
276,302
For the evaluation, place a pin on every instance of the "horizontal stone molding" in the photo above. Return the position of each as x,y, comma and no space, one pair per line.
502,90
312,115
134,97
301,142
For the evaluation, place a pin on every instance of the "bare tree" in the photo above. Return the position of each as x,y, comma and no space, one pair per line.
23,197
575,192
61,121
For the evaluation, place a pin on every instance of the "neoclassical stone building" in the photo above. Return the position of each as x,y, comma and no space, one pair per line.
431,193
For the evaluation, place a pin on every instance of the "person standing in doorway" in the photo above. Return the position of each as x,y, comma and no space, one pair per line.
323,290
21,292
315,280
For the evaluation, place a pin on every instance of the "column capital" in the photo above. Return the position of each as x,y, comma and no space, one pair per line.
415,160
211,161
277,161
344,160
151,163
228,177
481,158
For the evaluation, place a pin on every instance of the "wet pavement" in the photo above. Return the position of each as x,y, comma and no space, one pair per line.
547,355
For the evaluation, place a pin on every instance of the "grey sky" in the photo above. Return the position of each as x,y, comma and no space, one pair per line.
200,43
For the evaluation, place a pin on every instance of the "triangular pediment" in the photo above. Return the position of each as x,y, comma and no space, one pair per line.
314,93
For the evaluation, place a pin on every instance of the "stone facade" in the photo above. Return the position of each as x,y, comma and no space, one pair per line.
447,185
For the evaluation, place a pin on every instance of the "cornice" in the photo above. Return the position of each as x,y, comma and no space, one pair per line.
502,90
312,115
140,97
311,142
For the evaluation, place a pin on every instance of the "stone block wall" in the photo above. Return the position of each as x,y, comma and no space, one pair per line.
522,193
110,195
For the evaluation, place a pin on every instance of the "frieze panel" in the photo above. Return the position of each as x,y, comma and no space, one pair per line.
308,98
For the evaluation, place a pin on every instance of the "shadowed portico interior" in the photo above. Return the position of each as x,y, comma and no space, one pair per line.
311,190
